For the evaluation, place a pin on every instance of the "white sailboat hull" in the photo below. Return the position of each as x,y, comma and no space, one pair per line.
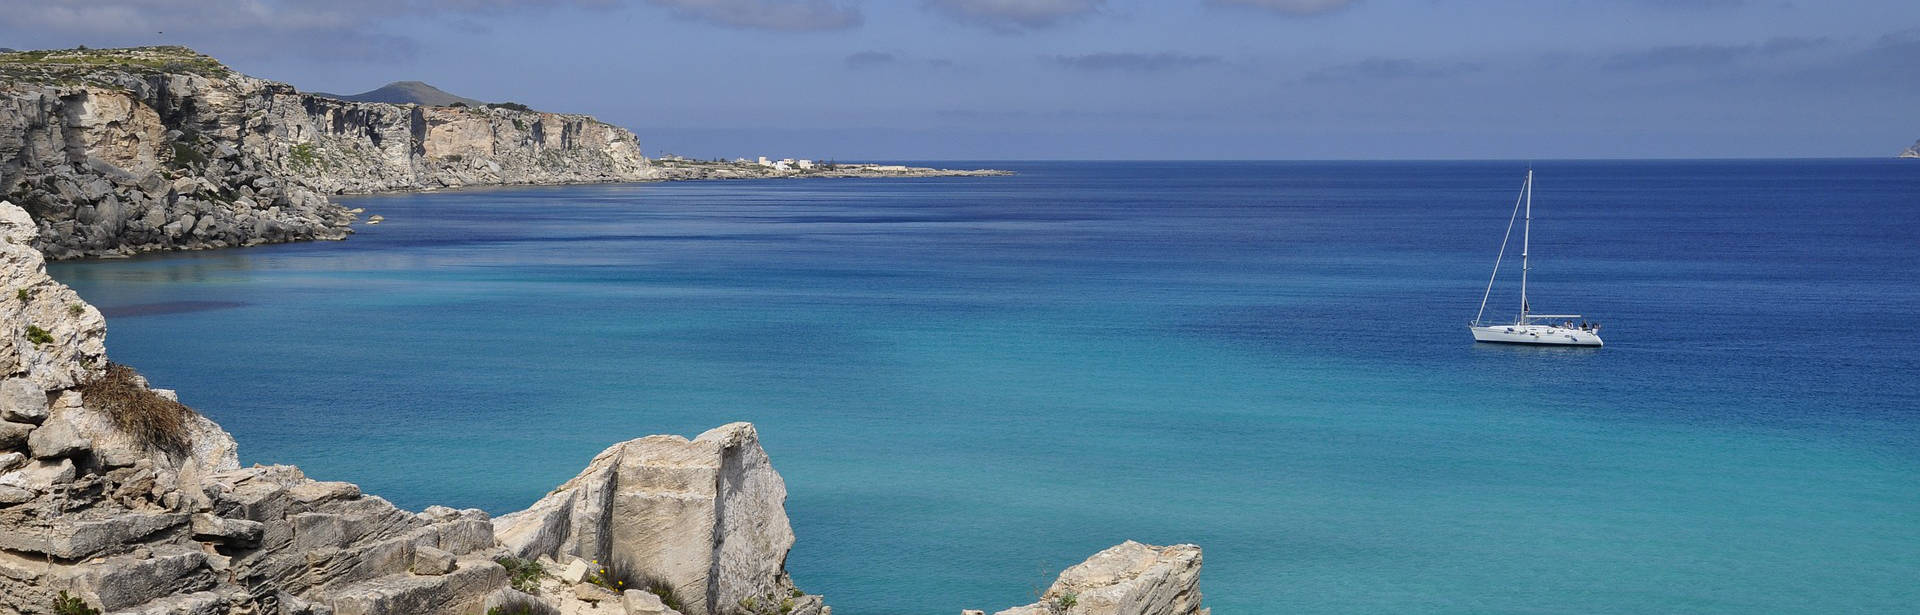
1540,335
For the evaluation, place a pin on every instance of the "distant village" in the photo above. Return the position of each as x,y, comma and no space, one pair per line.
786,164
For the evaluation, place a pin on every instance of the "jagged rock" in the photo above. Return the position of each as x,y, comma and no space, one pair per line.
22,401
705,516
118,583
1912,152
431,561
1127,579
593,593
637,602
240,532
9,461
57,439
575,572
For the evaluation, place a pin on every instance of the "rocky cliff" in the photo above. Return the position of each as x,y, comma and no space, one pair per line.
1912,152
116,498
121,151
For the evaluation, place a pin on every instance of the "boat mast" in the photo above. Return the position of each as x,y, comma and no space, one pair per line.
1526,240
1504,239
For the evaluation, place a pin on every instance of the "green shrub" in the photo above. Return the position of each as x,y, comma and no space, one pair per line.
1063,602
72,605
76,309
620,575
520,604
38,335
511,106
186,157
306,156
522,574
24,295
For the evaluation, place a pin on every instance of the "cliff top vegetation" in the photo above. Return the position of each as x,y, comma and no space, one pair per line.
82,65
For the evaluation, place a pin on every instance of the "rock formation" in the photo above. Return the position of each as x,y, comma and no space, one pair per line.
121,151
1127,579
1912,152
704,516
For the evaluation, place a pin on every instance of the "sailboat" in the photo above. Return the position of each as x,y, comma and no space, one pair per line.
1529,328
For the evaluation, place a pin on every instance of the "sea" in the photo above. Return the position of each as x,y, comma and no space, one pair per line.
970,384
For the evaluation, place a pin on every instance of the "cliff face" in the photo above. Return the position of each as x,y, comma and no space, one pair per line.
1912,152
121,151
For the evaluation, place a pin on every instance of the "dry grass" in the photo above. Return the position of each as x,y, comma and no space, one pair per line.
137,410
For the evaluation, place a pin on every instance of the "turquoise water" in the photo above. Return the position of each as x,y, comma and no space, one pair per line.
970,384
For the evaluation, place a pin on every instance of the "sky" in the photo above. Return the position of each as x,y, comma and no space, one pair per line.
1099,79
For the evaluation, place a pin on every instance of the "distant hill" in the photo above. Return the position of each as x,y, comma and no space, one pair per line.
1912,152
406,92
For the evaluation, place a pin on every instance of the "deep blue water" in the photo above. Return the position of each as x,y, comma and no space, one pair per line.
972,383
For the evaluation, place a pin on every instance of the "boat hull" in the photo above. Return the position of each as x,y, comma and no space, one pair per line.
1535,335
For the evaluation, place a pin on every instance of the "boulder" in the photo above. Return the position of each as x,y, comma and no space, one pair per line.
22,401
431,561
239,532
637,602
13,435
58,439
9,461
1127,579
705,516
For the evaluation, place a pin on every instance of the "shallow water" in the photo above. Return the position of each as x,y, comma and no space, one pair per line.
972,383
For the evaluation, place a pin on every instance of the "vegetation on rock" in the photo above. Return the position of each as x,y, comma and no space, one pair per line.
92,66
136,409
520,604
522,574
65,604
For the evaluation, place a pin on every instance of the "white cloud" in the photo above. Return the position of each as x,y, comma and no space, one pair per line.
788,15
1289,7
1014,15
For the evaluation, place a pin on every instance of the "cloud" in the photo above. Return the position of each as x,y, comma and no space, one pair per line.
1671,56
1014,15
1388,69
784,15
1288,7
871,59
1134,62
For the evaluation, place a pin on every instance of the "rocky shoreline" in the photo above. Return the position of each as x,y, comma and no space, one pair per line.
115,498
116,152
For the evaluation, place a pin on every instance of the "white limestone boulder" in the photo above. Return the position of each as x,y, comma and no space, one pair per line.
705,516
1127,579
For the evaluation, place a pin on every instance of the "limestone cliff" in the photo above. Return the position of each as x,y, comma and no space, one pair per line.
121,151
1912,152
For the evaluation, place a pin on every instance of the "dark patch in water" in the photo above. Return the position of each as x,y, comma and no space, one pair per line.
169,307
